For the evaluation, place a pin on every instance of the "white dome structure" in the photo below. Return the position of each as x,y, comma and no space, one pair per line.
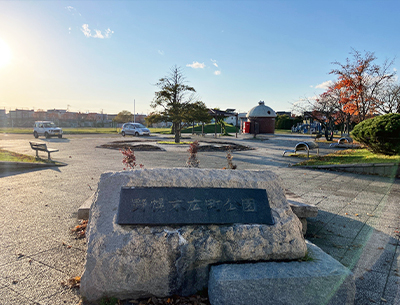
261,111
261,118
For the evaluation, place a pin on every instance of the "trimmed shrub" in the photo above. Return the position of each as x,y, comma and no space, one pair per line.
380,134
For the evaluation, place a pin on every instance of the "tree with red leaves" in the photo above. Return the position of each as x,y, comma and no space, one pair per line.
361,83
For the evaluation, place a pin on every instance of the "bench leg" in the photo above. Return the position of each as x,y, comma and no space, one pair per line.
37,153
48,155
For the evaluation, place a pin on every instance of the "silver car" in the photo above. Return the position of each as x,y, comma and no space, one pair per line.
134,129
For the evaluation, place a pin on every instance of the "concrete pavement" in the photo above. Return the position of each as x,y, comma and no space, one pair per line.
358,221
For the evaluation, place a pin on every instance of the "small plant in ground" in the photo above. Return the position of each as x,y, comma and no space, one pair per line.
109,301
229,159
129,159
306,258
193,150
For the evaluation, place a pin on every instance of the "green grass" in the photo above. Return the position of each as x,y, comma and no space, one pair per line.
349,156
16,130
66,130
9,156
283,131
209,128
90,130
80,130
160,130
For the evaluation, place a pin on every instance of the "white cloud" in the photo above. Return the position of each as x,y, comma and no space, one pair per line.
109,33
214,63
98,34
161,52
394,69
72,10
85,30
325,85
217,72
196,65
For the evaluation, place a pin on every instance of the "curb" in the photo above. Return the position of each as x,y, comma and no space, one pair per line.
27,165
380,169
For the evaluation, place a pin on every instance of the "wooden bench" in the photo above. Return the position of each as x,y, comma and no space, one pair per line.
307,146
42,147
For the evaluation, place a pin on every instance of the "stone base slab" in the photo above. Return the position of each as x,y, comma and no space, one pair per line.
319,280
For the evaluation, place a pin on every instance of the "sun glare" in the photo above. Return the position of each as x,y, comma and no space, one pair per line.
5,54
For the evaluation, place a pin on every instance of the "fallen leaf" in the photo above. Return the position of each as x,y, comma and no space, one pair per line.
383,300
380,248
356,214
74,282
346,213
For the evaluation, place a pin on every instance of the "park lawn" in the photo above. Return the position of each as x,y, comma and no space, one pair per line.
16,130
80,130
66,130
209,128
349,156
9,156
283,131
160,130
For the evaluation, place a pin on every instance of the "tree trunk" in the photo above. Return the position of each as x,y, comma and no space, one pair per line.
177,132
329,132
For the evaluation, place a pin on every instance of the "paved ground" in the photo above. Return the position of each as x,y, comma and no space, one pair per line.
358,221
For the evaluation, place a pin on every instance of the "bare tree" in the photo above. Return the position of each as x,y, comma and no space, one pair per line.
389,99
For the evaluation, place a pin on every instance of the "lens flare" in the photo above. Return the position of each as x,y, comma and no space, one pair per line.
5,54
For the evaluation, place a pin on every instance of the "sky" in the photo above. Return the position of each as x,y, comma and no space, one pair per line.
107,56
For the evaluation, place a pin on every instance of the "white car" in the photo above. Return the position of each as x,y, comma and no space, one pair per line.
47,129
134,129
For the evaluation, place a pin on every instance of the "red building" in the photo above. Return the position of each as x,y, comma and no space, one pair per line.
262,119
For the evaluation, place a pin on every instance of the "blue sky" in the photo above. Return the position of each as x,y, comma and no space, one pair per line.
102,55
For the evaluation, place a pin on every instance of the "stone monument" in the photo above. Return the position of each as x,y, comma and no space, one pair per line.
136,261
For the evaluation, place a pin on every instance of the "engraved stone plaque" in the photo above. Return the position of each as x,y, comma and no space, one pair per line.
185,206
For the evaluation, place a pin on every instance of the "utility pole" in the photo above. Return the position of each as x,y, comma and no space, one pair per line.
134,111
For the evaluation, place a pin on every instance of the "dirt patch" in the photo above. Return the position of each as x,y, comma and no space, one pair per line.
205,146
137,147
231,147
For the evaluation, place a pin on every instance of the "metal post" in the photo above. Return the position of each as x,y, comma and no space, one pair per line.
134,111
236,125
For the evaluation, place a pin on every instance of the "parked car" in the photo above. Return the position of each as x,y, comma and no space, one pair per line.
47,129
134,129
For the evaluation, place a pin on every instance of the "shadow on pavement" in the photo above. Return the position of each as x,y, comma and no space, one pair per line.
370,253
